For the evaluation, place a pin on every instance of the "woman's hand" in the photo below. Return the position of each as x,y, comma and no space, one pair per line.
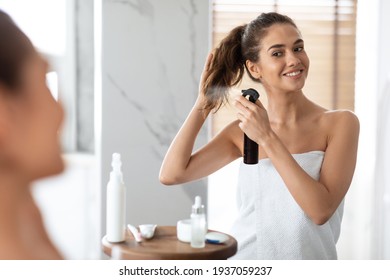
253,119
203,77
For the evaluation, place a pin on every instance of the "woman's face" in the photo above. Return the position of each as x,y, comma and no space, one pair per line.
283,65
35,119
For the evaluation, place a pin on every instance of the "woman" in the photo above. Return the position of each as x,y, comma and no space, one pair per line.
29,144
290,203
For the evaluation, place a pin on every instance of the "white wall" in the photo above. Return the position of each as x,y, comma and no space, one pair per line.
152,53
381,243
366,226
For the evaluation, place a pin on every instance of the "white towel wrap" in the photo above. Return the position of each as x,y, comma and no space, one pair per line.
271,225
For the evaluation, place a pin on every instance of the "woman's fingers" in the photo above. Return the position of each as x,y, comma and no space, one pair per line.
253,118
241,117
206,69
248,110
239,106
207,65
258,103
209,60
246,106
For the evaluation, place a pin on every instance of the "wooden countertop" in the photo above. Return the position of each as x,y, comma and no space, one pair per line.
165,246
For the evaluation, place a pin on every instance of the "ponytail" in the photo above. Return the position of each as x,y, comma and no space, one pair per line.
226,70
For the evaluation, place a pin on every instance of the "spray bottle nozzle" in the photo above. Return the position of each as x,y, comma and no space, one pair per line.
116,162
198,208
253,94
198,201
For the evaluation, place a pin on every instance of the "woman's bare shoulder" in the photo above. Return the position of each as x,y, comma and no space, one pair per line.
340,118
340,123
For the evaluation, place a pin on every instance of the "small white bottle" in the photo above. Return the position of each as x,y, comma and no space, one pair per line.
198,224
116,202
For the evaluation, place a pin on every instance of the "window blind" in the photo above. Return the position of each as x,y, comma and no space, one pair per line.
328,29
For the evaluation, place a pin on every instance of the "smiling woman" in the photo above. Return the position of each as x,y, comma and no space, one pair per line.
291,202
29,144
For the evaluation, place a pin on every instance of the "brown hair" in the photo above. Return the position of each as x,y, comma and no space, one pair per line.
228,64
15,47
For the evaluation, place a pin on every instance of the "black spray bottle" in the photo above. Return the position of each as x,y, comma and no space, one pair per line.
251,148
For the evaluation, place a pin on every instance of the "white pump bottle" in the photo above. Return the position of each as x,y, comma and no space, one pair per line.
198,224
116,202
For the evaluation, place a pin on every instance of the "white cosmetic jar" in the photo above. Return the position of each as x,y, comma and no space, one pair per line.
184,230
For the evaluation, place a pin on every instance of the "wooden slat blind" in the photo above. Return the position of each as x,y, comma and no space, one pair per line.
328,28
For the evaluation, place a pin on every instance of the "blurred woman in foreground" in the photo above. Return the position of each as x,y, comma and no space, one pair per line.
29,144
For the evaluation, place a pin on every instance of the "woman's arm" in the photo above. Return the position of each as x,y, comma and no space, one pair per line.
318,199
180,164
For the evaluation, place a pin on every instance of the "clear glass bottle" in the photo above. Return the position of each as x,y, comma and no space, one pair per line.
198,224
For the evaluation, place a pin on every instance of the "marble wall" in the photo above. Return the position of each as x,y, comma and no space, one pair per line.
153,53
84,44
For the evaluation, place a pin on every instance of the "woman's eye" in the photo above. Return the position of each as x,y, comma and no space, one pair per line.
298,49
277,54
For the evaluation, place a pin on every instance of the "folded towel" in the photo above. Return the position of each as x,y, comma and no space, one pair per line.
271,225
